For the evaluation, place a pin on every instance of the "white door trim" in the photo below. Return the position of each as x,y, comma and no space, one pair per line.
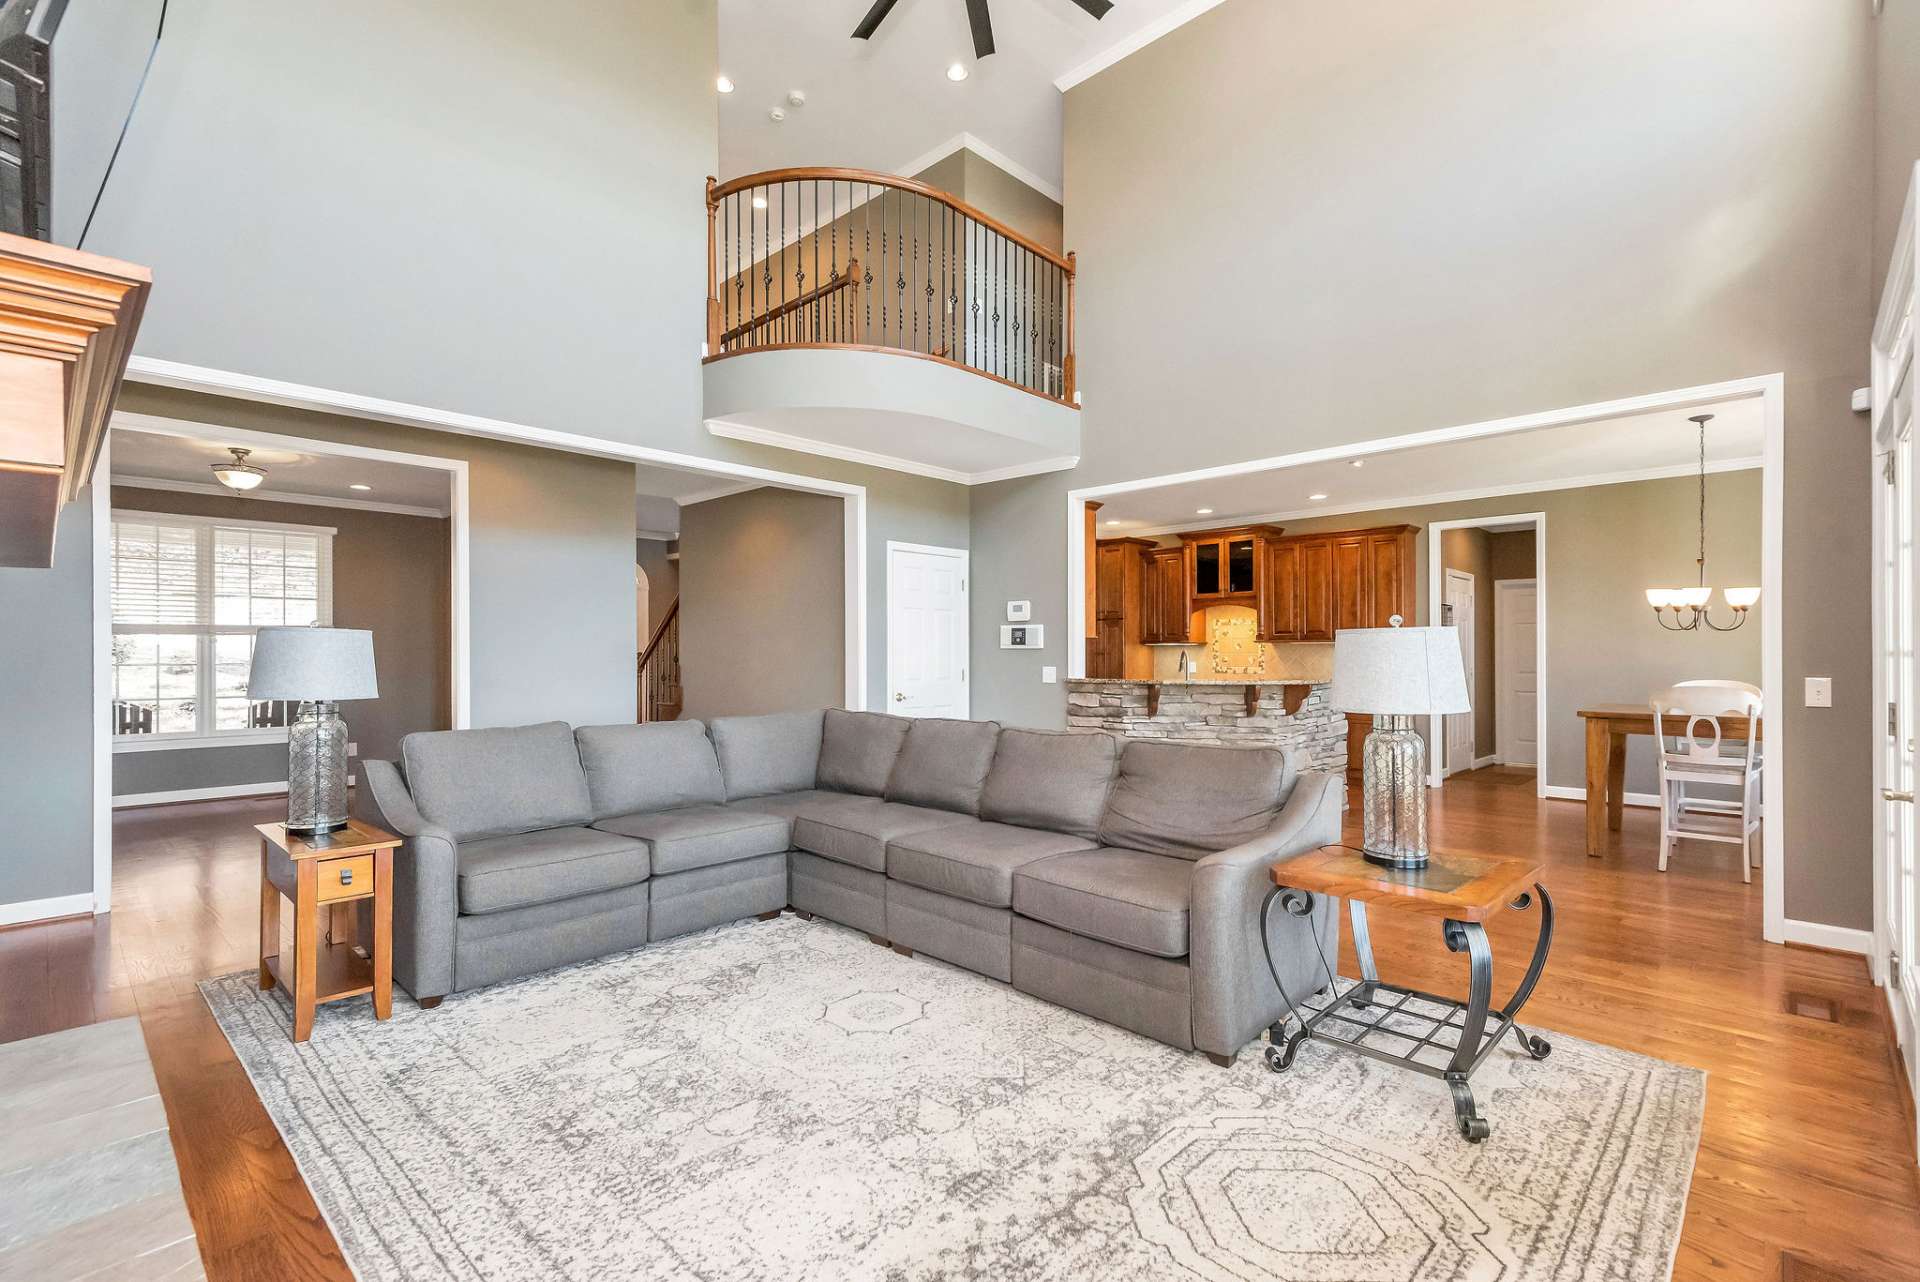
1444,764
1770,389
966,616
1503,658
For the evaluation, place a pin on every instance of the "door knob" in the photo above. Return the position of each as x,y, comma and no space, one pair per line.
1895,794
898,697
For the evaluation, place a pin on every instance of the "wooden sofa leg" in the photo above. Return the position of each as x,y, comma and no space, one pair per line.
803,915
903,951
884,943
429,1003
1224,1061
770,916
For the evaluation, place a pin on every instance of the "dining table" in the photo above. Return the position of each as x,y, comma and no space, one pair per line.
1608,726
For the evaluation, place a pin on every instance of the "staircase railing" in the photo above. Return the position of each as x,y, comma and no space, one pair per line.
660,697
852,259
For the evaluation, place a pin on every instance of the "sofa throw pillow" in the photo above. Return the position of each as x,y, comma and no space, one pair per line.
505,779
1174,799
943,763
764,755
642,768
1053,779
857,750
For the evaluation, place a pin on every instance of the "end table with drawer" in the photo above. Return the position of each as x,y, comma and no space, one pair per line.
333,871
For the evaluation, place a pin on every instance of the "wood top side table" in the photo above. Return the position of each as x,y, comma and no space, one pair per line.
341,867
1433,1035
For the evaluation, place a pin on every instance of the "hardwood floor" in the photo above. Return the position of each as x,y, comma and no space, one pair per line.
1806,1150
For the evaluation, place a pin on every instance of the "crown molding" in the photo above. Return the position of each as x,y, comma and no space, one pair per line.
1130,45
989,153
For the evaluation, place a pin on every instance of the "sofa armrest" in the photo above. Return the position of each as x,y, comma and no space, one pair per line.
1234,993
425,884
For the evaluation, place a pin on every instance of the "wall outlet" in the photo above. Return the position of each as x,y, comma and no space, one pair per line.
1049,675
1819,692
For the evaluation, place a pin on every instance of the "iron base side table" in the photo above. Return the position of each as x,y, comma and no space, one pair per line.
1433,1035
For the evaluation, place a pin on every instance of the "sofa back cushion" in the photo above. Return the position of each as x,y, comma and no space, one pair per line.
488,783
1172,799
1055,779
657,766
761,756
943,763
857,750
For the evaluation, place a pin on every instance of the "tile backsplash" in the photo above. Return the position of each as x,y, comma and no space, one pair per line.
1232,654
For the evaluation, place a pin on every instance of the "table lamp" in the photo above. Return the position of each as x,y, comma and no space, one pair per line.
1396,674
315,667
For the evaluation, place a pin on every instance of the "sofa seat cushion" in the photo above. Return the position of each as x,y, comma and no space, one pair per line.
974,861
1125,897
784,805
855,830
701,836
528,868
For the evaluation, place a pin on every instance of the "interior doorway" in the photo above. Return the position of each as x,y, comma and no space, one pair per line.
1516,669
927,631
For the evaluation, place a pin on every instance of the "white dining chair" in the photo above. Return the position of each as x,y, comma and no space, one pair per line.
1692,750
1724,805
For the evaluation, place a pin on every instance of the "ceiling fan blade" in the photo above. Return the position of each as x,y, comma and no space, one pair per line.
875,16
982,24
1098,8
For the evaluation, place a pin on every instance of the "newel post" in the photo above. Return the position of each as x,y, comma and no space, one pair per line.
713,278
1067,364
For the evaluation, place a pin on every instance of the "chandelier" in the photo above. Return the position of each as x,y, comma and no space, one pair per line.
1686,609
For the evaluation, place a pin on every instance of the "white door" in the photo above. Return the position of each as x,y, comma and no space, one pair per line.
1458,614
926,631
1516,668
1897,677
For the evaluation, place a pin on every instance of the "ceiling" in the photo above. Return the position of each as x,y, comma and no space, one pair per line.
886,103
1514,462
291,475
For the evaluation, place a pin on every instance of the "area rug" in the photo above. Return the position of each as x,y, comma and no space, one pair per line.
784,1100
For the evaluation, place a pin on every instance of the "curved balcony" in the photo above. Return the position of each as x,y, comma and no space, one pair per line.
887,321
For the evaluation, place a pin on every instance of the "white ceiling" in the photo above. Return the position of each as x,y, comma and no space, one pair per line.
1544,458
886,103
291,475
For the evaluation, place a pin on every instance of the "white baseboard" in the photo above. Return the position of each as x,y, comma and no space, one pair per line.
1559,792
45,909
1491,759
1841,939
126,800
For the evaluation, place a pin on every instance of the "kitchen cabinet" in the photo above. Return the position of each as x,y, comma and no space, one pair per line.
1317,584
1167,614
1224,565
1116,649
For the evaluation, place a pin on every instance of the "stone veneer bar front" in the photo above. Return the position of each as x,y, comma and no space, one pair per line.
1213,712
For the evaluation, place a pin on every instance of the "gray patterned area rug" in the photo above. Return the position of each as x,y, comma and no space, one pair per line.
784,1100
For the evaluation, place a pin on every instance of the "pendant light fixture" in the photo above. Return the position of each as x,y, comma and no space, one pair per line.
1685,609
239,474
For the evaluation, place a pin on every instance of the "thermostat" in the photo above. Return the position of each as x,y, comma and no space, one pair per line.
1019,611
1022,636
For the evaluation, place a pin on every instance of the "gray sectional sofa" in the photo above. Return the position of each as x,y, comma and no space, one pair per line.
1122,881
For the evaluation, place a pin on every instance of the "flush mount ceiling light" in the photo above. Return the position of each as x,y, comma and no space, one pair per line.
1316,497
977,18
958,72
724,84
358,486
1694,600
238,474
759,202
1359,462
1203,511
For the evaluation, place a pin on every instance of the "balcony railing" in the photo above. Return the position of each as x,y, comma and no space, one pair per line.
850,259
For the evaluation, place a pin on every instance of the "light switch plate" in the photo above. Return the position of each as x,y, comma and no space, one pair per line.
1819,692
1049,675
1019,611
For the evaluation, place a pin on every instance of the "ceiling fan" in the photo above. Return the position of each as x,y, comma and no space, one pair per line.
977,18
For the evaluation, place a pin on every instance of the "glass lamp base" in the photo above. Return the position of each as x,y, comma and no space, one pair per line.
1394,794
316,770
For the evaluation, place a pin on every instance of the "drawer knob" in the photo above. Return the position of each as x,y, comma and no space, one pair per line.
346,876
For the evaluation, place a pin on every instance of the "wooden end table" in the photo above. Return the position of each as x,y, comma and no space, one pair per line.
335,870
1433,1035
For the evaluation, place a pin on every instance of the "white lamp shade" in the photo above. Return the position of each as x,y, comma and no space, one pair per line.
1398,672
310,664
1742,598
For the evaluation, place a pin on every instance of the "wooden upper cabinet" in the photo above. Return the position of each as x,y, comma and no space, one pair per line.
1317,584
1092,545
1116,649
1351,581
1225,565
1390,576
1167,613
1280,591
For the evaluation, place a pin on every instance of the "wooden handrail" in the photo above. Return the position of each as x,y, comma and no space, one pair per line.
718,191
653,642
849,277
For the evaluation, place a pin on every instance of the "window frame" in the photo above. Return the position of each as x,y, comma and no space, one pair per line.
206,632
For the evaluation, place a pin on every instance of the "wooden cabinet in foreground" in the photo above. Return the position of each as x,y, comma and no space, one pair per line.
1317,584
67,321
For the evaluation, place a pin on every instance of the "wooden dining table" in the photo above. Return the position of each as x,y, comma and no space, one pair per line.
1608,725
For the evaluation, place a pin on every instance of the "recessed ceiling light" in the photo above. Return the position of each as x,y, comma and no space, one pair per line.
1113,520
358,486
1203,511
1359,462
958,72
1316,497
759,202
724,84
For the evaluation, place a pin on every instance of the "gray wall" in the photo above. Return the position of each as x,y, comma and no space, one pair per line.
762,608
471,204
391,575
1896,128
1425,214
550,545
46,718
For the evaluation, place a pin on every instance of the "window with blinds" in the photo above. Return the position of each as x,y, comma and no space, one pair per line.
188,594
